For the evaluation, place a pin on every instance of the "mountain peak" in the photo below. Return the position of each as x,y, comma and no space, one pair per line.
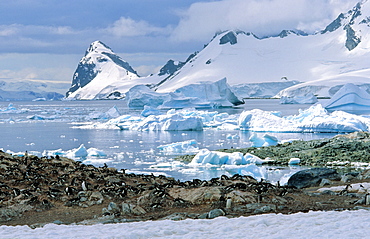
98,46
100,60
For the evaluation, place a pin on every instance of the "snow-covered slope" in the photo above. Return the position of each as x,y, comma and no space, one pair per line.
289,64
242,57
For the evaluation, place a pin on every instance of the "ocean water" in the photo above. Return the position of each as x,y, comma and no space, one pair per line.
39,126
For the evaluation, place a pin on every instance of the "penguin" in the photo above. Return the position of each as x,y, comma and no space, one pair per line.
84,186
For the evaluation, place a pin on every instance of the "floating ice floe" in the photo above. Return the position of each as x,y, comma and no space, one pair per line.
313,119
350,98
189,146
11,109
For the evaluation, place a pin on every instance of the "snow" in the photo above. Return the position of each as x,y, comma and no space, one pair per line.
309,98
349,98
319,224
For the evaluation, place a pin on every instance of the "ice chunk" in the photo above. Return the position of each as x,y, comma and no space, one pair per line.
148,110
93,152
169,122
80,152
48,153
252,159
113,112
205,156
140,95
294,161
349,98
265,140
189,146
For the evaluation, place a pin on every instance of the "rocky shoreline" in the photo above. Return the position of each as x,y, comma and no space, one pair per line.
35,191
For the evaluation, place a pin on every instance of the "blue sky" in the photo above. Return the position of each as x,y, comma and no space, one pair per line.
43,40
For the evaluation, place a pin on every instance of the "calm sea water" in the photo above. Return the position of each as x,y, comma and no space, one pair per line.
131,150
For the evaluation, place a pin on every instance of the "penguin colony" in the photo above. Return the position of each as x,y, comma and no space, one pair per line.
42,182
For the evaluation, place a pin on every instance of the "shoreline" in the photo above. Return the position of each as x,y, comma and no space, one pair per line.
37,191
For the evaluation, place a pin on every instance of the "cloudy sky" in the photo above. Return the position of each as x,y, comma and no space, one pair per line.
43,40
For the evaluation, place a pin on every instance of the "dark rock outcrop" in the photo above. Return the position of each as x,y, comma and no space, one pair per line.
312,177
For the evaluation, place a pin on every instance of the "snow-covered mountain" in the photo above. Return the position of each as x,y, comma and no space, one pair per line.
101,74
289,64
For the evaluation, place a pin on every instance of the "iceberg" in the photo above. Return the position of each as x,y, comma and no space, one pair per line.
80,152
169,122
140,95
205,156
203,95
350,98
189,146
313,119
199,95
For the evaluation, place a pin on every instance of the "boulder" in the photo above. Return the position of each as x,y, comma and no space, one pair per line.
312,177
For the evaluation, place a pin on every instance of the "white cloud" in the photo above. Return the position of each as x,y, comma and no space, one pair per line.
202,20
127,27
